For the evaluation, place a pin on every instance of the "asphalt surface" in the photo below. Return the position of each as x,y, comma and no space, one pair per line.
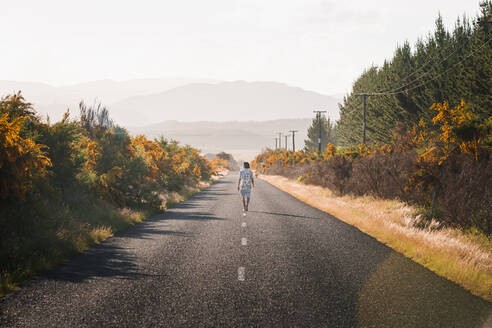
204,264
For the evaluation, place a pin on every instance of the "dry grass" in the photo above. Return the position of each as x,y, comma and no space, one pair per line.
133,216
461,257
169,199
99,234
221,172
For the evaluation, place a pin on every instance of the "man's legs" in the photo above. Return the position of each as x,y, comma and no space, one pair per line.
247,203
244,203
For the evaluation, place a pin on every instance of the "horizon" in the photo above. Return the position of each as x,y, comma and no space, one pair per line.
210,81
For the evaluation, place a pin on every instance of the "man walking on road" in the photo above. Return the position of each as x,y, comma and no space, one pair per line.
246,176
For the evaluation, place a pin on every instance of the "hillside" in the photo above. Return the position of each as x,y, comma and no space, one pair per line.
226,101
145,101
54,100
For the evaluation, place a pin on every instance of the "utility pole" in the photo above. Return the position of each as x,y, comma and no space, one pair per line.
318,115
293,140
280,140
276,142
364,96
285,145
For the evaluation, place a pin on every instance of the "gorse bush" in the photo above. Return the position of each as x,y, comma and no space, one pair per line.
217,163
90,153
450,166
64,185
22,159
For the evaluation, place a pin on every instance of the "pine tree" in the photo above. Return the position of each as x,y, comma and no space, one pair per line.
327,133
444,66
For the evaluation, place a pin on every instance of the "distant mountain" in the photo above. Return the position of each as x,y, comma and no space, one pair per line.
144,101
225,101
55,100
242,139
35,92
109,91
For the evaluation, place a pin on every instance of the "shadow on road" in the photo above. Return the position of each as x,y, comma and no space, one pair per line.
102,261
188,216
115,258
287,215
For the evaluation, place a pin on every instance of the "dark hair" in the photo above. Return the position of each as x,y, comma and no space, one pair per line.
246,165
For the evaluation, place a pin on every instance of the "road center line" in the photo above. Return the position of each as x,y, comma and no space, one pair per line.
244,241
241,272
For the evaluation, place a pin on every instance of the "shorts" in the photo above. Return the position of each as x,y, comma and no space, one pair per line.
246,193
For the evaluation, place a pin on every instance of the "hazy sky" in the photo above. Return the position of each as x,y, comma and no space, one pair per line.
318,45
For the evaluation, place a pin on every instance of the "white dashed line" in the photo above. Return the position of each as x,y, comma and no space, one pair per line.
244,241
243,224
241,272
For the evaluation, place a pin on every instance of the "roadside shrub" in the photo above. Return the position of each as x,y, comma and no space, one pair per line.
334,173
465,193
382,175
446,168
65,185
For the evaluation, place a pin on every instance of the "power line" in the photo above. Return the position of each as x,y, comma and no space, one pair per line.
394,92
418,70
442,73
365,95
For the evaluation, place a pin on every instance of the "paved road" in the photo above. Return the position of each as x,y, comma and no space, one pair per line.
202,264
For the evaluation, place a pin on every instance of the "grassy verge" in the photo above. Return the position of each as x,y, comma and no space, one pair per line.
462,257
44,249
73,231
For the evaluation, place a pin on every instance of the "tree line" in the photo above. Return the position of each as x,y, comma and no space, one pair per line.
429,130
443,66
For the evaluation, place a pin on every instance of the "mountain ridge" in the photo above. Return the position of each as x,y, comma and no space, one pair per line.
224,101
135,102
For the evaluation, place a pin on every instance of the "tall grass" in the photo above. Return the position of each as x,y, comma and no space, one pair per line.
36,239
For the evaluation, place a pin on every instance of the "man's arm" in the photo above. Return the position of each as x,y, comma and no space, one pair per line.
238,183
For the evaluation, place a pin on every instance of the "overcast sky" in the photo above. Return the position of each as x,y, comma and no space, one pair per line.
317,45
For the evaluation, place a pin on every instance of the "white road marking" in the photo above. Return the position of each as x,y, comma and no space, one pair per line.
243,225
244,213
244,241
241,272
